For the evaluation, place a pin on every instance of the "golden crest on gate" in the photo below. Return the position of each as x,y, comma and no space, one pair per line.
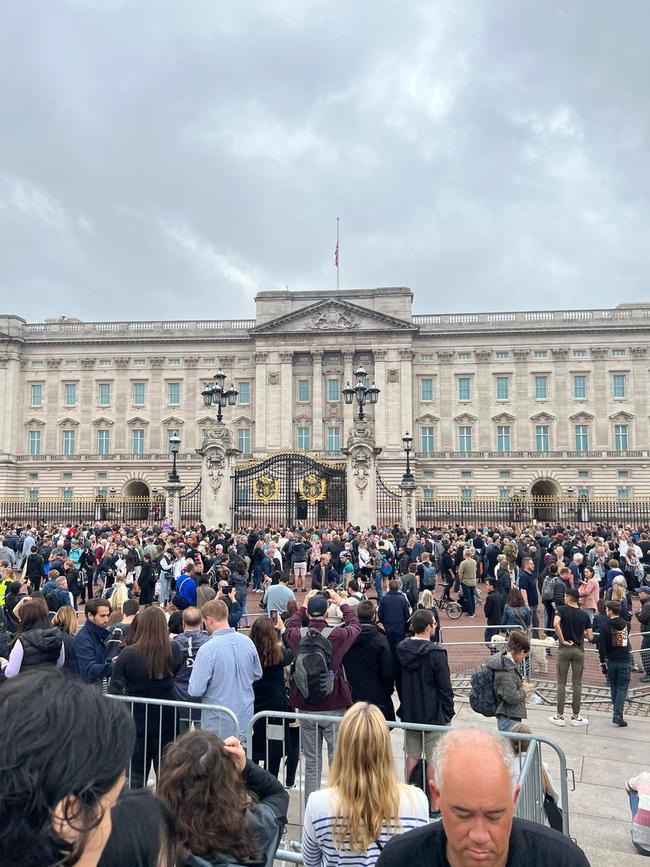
312,489
266,488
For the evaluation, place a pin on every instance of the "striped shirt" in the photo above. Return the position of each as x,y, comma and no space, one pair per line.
318,847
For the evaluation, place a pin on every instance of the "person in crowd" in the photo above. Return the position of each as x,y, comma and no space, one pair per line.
369,665
227,809
36,643
614,653
571,625
428,603
67,623
364,804
59,789
589,591
278,596
426,571
528,589
204,593
509,687
143,832
146,669
74,579
321,693
638,790
515,613
189,641
478,825
493,606
59,595
426,694
271,694
643,616
467,576
299,562
323,573
147,581
394,613
223,673
410,585
118,632
89,643
13,596
34,570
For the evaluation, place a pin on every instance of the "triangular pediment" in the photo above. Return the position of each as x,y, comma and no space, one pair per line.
136,419
427,418
581,416
67,422
503,416
465,418
102,420
34,422
621,416
542,416
334,316
172,421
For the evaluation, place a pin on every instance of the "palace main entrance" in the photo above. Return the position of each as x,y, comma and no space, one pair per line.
286,489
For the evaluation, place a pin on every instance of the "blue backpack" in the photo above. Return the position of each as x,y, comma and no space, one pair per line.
386,569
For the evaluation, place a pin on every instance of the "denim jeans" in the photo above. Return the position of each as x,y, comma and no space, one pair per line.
378,580
469,599
618,677
504,723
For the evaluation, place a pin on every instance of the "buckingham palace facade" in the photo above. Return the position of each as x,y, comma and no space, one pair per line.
540,402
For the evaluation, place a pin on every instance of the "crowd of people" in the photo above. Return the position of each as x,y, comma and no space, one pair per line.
160,614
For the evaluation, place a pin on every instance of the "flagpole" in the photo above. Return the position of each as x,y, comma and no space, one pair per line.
337,252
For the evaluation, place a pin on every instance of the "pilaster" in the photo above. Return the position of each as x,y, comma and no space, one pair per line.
260,401
317,402
218,459
361,476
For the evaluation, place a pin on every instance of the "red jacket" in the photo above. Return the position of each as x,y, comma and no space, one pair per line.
341,639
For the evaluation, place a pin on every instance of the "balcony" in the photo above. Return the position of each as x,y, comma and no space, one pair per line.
524,320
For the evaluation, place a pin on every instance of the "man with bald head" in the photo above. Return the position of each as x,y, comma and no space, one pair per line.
476,792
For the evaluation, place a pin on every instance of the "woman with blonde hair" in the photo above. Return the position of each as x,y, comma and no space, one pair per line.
428,602
66,621
365,804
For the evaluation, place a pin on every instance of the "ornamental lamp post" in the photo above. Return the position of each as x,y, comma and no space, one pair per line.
364,394
174,448
407,442
219,396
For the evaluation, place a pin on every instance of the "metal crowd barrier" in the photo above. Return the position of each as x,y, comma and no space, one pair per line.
276,742
159,722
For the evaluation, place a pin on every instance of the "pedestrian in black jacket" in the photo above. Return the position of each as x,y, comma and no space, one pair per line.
369,664
493,608
614,653
393,613
426,694
643,616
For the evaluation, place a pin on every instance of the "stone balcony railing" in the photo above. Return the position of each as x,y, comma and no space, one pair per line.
130,330
628,316
550,455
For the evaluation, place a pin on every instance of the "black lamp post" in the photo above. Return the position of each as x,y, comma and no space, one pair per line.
217,395
174,447
364,394
407,442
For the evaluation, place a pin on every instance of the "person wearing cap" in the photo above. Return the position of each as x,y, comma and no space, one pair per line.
339,700
643,616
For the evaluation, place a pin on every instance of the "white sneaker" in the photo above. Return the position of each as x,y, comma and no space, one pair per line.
579,721
556,720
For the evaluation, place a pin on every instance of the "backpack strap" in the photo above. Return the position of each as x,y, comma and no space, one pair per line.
327,631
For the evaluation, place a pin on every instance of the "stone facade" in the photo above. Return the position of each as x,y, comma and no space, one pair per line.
546,401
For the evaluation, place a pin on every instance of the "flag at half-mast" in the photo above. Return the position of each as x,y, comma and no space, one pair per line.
336,254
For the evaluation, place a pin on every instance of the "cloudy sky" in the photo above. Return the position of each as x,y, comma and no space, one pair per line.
164,159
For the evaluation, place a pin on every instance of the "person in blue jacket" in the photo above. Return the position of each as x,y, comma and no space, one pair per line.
89,643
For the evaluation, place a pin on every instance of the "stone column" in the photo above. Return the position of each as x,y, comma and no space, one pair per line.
9,430
123,403
218,459
348,376
285,407
156,400
361,476
523,438
260,401
173,502
562,398
317,402
406,365
380,406
407,488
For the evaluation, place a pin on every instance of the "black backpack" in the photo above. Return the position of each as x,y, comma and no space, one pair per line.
482,697
114,641
312,668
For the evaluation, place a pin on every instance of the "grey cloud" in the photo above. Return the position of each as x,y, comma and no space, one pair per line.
169,159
